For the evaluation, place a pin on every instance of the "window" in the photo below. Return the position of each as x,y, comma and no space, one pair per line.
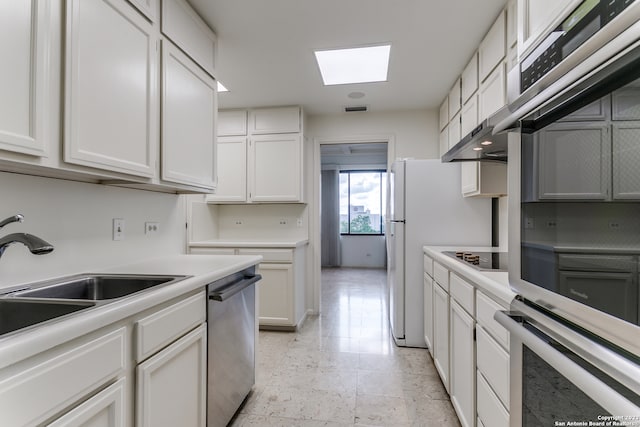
362,201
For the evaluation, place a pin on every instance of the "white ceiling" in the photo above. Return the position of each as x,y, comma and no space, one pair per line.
265,49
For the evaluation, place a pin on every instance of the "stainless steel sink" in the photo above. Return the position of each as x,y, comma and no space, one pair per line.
17,314
95,287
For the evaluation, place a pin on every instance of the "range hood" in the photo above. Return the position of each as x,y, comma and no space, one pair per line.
482,144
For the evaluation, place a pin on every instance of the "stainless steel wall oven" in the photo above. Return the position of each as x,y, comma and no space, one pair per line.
574,222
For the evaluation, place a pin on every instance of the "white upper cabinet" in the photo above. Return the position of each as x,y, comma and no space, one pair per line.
454,100
275,168
444,141
454,131
512,24
24,48
469,116
470,78
492,49
231,169
275,120
536,18
189,105
232,123
111,102
493,93
190,33
148,8
444,113
626,157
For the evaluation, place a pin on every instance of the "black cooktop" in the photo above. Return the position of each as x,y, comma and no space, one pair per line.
485,261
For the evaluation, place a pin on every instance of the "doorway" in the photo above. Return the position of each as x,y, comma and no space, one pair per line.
351,210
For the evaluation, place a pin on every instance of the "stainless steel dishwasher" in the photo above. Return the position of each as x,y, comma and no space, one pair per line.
231,317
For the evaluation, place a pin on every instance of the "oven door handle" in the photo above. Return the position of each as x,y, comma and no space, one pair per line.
592,386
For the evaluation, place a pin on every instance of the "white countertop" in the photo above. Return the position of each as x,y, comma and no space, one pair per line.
203,270
242,243
494,283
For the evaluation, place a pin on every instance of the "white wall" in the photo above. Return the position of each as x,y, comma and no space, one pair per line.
415,131
363,251
76,218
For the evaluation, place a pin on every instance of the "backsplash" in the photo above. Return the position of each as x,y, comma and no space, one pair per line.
76,218
247,222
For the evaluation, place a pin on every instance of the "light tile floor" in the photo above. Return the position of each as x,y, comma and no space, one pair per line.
342,368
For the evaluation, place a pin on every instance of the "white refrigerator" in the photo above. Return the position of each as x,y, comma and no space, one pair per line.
425,207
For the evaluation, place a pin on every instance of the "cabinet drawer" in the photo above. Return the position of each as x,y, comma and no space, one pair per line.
490,410
190,33
270,255
428,265
212,251
462,292
160,329
493,363
37,393
441,275
485,309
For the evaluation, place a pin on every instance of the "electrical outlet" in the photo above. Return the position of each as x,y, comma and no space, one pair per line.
529,223
283,221
614,225
551,223
151,227
118,229
237,222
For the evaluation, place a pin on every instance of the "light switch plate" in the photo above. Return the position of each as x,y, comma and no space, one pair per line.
118,228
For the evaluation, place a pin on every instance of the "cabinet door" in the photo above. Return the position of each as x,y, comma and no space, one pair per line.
275,295
512,24
189,108
275,120
470,78
441,333
275,168
428,312
469,116
444,141
111,106
24,43
492,49
444,113
454,131
463,365
454,100
148,8
105,409
232,123
231,168
597,110
491,412
574,161
626,103
626,158
171,386
469,177
493,93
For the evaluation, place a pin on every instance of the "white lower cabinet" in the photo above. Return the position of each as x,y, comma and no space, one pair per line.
470,349
276,295
428,312
463,365
105,409
171,386
441,333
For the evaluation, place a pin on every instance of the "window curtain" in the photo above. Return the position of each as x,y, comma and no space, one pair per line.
330,218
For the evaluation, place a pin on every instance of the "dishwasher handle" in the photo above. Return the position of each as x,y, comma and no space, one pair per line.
228,291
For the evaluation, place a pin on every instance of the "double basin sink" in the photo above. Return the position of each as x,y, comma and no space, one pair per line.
46,301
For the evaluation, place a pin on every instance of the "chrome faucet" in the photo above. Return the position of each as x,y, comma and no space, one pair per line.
15,218
36,245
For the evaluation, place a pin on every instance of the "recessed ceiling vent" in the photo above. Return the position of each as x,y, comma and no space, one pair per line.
354,109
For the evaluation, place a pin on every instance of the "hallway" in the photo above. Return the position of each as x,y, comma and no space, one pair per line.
342,368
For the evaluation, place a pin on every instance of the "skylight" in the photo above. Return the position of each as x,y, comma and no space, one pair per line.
221,88
355,65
